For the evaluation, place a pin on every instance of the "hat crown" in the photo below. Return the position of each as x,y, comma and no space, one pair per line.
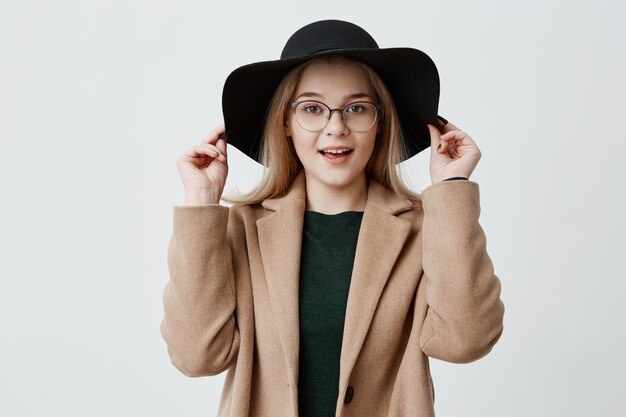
325,35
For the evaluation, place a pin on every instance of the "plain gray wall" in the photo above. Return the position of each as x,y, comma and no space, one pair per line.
98,100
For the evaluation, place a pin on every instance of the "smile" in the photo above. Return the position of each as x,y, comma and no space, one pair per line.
335,151
336,156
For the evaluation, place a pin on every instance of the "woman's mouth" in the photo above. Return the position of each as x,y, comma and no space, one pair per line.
336,156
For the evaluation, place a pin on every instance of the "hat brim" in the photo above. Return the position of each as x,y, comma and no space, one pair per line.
409,74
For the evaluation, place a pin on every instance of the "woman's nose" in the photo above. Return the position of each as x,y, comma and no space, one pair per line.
335,124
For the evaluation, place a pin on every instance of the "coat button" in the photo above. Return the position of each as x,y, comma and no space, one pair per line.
349,395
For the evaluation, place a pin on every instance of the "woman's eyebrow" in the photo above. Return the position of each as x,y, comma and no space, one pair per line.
356,95
347,96
310,94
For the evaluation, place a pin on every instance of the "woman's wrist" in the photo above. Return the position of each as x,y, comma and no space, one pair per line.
201,197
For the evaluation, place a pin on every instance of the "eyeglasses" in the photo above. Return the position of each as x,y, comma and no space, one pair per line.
313,115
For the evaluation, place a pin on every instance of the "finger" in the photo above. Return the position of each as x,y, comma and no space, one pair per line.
452,126
204,150
434,136
201,158
215,148
458,138
448,127
213,137
453,135
451,139
221,144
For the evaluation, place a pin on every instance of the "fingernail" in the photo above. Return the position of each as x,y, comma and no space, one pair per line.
445,122
439,147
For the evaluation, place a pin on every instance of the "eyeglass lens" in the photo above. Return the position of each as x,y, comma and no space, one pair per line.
314,116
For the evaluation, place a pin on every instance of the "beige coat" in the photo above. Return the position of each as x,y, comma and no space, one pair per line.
422,286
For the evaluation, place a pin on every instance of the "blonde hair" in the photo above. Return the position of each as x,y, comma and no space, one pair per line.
278,154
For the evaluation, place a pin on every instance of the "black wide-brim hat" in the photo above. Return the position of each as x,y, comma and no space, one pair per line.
409,74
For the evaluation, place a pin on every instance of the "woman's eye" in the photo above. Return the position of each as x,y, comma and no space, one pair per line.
312,109
356,108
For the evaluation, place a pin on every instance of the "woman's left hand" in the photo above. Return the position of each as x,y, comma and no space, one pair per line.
453,153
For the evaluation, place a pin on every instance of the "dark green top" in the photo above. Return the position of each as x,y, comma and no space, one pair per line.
328,247
327,256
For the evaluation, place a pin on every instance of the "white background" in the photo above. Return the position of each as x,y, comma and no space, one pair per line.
99,98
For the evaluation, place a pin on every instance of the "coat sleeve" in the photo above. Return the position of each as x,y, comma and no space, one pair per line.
465,314
199,324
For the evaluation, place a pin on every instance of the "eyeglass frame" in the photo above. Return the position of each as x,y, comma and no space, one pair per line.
377,106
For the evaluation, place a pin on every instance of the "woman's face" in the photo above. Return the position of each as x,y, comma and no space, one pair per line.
335,85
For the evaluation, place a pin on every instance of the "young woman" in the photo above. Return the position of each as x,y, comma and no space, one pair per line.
325,290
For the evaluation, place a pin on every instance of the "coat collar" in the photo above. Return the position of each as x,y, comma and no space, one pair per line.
377,196
381,238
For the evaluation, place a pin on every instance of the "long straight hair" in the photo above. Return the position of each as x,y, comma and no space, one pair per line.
279,156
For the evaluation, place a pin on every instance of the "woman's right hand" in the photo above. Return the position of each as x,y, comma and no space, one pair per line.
203,169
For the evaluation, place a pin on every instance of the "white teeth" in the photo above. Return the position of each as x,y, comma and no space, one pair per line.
336,151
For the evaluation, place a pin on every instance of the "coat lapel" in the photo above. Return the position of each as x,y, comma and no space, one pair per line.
381,238
280,241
